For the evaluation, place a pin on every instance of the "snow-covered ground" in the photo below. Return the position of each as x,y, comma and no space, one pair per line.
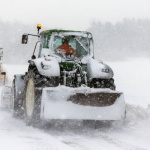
132,77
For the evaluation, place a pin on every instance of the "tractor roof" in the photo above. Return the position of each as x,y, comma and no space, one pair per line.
49,32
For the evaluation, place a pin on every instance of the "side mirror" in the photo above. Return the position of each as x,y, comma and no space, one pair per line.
24,38
33,57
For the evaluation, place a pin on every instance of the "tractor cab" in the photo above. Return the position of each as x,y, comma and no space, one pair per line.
78,44
50,42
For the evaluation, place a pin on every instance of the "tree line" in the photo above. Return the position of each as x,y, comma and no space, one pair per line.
128,38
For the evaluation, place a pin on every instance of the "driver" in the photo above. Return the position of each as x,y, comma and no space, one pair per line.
65,47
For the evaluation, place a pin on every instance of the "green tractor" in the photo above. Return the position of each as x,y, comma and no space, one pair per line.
64,81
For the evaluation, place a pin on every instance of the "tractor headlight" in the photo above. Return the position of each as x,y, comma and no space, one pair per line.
106,70
45,67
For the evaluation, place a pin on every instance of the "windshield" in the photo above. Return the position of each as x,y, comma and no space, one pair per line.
78,45
64,44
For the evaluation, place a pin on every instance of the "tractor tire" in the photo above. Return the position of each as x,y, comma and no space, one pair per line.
32,103
18,111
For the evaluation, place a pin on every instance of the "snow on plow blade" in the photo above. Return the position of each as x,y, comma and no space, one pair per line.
82,103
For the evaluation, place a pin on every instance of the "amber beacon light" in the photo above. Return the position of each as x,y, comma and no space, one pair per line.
39,26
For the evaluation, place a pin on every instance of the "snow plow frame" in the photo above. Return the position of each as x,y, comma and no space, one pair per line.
56,104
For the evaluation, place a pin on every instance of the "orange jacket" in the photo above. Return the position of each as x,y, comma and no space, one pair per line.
67,49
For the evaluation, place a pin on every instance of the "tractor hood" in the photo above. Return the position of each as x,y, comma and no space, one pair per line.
50,66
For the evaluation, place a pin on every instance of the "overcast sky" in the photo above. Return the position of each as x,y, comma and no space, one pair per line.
72,14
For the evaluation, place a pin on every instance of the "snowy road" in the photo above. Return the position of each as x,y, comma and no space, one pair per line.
132,77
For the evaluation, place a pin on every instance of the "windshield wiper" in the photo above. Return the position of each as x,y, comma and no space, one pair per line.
81,44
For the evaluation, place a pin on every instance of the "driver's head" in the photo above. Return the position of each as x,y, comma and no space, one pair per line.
65,40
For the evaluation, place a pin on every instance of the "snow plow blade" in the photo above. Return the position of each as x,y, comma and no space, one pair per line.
82,104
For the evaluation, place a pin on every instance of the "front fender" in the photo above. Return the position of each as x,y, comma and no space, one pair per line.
47,66
95,70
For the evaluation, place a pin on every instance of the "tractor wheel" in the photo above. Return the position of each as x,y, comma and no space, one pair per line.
16,104
32,103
